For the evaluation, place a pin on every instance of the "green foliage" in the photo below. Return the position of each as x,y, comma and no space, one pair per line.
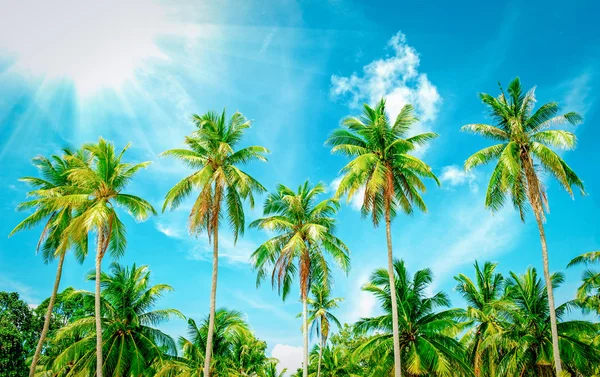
19,329
131,342
427,336
588,294
236,352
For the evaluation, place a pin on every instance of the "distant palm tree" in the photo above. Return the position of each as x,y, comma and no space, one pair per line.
390,176
588,294
304,230
427,342
229,329
131,343
320,317
527,339
100,185
524,137
211,153
336,362
270,369
54,181
485,303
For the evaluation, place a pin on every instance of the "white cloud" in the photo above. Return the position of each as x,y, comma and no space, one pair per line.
233,252
289,357
453,176
578,94
25,292
97,44
395,78
171,231
357,200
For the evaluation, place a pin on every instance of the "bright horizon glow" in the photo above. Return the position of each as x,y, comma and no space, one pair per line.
96,45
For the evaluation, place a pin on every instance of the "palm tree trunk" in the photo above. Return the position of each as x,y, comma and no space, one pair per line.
547,278
320,355
395,331
99,255
213,301
48,317
536,204
305,334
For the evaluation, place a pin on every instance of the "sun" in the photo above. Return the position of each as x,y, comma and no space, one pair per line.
94,44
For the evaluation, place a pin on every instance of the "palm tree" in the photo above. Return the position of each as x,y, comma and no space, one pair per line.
211,153
54,181
304,230
427,342
229,328
390,176
320,317
525,137
527,340
131,343
270,369
485,304
100,185
336,362
588,294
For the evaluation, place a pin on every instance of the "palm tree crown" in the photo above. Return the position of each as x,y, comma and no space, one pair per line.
305,230
381,161
101,185
211,153
523,135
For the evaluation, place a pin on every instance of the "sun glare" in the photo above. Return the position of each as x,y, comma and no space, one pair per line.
96,44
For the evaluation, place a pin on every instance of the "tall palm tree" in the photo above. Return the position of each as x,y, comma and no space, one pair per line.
229,328
427,342
211,153
527,340
320,317
304,230
100,185
53,181
525,138
485,304
588,294
390,176
131,343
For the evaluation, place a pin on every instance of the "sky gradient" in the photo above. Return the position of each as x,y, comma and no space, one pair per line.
135,72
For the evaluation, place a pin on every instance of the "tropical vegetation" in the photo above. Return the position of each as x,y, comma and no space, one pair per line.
508,326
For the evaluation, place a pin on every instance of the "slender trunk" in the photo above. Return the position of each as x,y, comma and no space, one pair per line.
320,355
395,331
536,204
48,317
213,301
99,255
547,278
305,335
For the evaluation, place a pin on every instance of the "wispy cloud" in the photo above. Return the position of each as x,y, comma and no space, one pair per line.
26,292
395,78
453,176
578,95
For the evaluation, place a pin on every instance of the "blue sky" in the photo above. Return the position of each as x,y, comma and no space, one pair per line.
73,71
